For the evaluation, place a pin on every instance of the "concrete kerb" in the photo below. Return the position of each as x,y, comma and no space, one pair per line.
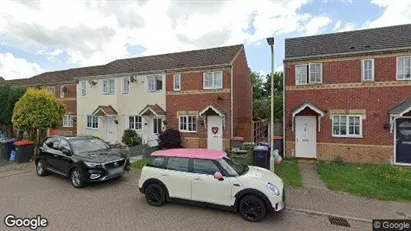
329,214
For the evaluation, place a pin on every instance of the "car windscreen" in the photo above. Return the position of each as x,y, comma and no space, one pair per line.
88,145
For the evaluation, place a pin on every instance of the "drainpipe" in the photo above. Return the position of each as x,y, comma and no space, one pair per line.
284,110
231,103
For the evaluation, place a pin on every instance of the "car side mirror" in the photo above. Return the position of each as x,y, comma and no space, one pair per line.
218,176
66,151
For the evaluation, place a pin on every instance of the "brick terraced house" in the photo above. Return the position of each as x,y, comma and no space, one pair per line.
348,96
206,94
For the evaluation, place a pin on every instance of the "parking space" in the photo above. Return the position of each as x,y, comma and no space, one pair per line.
118,205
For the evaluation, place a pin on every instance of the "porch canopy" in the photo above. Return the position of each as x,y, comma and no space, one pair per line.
400,110
102,110
212,110
307,108
155,110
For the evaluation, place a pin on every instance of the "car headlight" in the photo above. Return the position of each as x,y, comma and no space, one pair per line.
92,165
273,189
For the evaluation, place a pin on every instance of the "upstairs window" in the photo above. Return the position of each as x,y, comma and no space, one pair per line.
155,83
308,73
125,87
62,93
367,69
213,80
177,82
404,68
83,88
51,90
347,126
108,87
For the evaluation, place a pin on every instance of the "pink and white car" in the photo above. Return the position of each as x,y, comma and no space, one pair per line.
209,177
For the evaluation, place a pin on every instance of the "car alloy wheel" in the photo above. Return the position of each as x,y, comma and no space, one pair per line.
252,208
40,168
155,195
76,178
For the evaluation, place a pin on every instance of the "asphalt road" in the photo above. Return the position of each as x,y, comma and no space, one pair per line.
118,205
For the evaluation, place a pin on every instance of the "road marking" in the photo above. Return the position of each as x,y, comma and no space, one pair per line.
329,214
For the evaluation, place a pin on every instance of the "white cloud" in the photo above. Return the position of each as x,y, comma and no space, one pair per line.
279,68
95,32
337,25
395,12
347,27
316,24
12,67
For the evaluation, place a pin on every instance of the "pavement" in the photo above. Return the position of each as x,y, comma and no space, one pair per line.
117,205
309,176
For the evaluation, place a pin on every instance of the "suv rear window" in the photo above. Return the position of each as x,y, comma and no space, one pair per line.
157,162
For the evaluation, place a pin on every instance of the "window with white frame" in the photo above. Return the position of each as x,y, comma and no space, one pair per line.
155,83
135,122
188,123
92,122
125,86
367,69
67,121
177,82
308,73
108,87
213,80
347,125
83,88
51,90
62,93
404,68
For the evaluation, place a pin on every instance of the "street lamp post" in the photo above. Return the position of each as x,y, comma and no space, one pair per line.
270,42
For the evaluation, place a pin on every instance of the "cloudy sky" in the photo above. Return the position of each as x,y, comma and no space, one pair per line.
38,36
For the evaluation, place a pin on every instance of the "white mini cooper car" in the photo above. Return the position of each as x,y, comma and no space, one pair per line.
209,177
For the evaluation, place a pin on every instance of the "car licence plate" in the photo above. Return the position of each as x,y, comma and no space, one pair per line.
116,171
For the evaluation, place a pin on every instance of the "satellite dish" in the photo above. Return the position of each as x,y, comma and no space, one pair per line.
92,83
133,79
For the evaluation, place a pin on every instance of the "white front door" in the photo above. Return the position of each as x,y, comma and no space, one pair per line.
206,188
155,126
215,132
305,137
111,129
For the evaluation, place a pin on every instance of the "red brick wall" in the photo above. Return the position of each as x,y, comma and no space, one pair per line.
242,97
187,100
349,71
71,106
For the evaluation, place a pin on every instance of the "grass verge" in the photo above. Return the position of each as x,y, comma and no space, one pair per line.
290,173
382,182
140,163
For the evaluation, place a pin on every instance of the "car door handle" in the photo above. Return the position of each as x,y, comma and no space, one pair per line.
55,155
196,178
163,174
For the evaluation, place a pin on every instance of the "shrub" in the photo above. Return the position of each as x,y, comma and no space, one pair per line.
130,138
169,139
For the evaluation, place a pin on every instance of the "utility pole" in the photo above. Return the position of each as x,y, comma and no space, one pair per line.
270,42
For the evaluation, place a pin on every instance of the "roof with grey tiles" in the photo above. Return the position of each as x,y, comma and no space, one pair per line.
401,107
357,41
179,60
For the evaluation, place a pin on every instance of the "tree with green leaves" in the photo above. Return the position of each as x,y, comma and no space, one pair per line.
38,110
278,84
8,98
257,83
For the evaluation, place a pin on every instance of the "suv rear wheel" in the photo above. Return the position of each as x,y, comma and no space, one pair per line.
252,208
155,194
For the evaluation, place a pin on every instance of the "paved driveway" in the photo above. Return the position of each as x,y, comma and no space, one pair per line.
117,205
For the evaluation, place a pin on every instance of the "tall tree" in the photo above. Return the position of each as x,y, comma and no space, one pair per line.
8,98
257,83
278,84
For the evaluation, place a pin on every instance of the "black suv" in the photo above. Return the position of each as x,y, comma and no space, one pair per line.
82,158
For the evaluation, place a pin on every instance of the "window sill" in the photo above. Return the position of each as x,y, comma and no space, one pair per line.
67,126
108,94
125,93
307,84
403,79
187,131
355,137
177,89
367,81
212,88
91,128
